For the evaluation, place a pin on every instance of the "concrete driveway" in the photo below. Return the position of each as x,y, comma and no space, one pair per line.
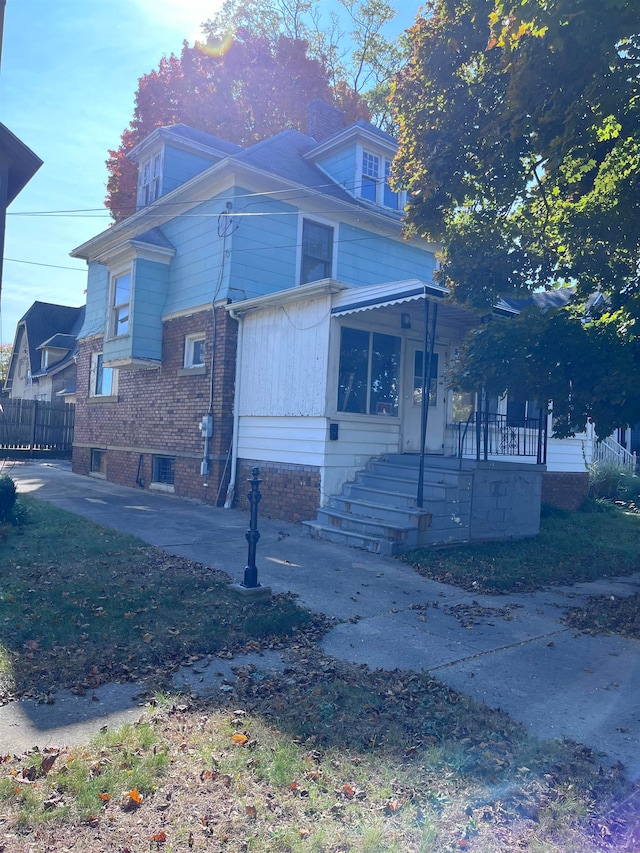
511,652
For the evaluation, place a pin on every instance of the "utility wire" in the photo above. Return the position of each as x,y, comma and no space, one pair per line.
51,266
285,195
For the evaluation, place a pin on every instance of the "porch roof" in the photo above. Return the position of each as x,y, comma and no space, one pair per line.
356,299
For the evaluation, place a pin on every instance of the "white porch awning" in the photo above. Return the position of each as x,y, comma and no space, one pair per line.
355,299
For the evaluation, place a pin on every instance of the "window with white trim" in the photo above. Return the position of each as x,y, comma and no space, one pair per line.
120,304
194,350
375,181
103,380
317,251
150,179
370,175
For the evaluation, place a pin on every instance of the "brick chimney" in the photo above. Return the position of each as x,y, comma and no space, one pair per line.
323,120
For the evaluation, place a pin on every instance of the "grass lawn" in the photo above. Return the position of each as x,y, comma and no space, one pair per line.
571,547
81,605
323,756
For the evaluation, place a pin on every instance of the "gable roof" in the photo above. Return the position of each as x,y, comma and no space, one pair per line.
284,155
288,156
186,137
45,321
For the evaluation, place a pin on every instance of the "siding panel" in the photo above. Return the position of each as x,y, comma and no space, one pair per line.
284,360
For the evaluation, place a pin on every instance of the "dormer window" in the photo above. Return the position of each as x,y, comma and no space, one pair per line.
370,175
150,173
375,181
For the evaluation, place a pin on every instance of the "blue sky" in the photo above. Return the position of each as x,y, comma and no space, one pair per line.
70,69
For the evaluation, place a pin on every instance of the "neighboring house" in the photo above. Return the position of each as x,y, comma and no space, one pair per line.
18,164
43,359
262,308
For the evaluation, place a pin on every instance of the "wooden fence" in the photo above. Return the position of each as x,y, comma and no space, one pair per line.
36,425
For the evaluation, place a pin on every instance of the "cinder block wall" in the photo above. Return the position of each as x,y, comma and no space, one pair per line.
157,411
565,490
505,497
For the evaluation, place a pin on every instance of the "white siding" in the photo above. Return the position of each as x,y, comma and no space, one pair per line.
284,360
570,454
298,441
357,442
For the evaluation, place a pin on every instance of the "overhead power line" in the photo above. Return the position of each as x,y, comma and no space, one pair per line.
52,266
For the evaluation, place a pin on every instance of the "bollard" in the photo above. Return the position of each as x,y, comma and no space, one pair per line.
251,571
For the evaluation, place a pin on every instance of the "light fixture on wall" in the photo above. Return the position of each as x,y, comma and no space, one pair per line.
405,321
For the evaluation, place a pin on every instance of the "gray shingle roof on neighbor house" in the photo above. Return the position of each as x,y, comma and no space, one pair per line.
44,321
543,299
59,341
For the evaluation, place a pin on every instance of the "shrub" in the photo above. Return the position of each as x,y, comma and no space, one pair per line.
605,479
629,488
7,497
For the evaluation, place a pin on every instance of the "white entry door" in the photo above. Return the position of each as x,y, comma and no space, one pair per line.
412,400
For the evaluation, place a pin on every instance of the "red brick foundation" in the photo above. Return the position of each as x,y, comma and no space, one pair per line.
565,490
289,492
158,411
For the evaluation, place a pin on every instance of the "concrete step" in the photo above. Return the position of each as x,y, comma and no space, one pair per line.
378,510
397,516
409,472
354,540
407,499
407,533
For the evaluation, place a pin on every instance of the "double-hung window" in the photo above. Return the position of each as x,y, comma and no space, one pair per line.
370,176
150,179
369,372
103,379
389,197
375,183
317,251
120,304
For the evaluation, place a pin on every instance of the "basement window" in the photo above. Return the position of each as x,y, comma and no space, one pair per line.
163,472
98,462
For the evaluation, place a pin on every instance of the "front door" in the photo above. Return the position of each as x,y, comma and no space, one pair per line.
412,400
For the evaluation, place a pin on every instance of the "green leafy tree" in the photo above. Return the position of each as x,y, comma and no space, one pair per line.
520,150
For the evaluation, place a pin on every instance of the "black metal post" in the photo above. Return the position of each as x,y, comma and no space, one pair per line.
424,403
427,366
251,571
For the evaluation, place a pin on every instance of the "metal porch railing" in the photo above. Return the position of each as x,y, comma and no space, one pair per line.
487,435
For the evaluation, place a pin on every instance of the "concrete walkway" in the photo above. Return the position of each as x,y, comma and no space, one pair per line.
511,652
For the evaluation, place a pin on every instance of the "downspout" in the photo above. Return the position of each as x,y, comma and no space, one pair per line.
236,413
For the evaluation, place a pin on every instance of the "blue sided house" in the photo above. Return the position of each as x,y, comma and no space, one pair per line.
262,308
